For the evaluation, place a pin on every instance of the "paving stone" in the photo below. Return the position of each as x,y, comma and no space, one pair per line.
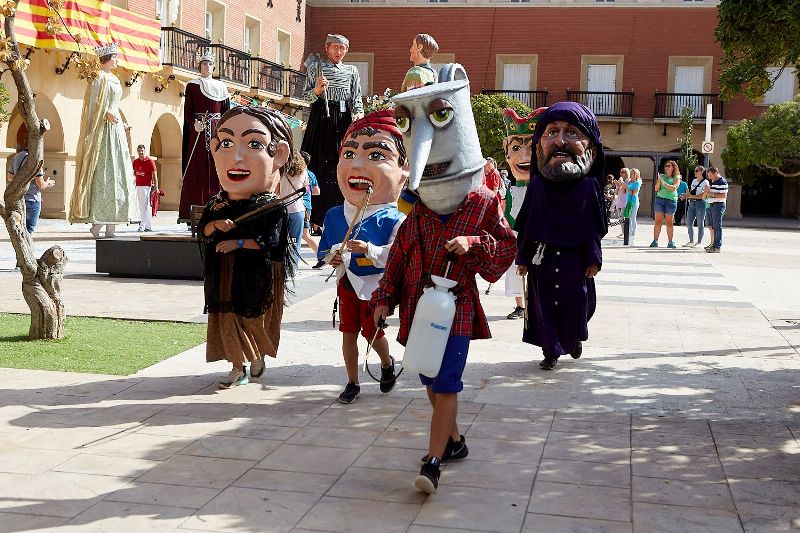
227,447
105,465
591,427
203,408
293,414
260,431
242,509
747,427
138,445
758,518
286,481
311,459
476,509
18,523
163,494
540,523
670,424
765,491
506,451
63,494
732,443
655,440
581,501
208,472
669,518
403,459
489,475
353,439
405,434
21,461
761,465
584,473
345,515
679,492
516,431
510,413
377,485
673,466
128,517
588,447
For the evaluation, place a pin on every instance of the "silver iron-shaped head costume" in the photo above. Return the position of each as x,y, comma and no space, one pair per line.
442,142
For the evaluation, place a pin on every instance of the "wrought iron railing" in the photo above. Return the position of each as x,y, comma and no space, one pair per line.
181,49
266,76
295,84
232,65
605,104
532,99
669,105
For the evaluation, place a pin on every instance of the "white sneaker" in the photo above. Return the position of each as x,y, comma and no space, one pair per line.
234,378
689,244
95,230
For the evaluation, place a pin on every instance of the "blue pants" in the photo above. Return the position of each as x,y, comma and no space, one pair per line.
717,210
296,231
696,211
32,210
632,220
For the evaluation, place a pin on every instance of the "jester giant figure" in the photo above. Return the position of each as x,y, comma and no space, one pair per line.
454,214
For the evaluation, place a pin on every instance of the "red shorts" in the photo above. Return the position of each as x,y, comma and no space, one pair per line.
355,315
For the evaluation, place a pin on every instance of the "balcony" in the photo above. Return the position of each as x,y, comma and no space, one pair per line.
669,105
232,65
532,99
266,77
605,104
295,84
180,49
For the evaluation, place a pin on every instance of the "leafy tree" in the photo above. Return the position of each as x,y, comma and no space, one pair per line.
754,35
768,143
688,158
488,112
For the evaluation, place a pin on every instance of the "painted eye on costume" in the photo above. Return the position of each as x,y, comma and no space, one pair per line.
376,156
516,148
441,117
403,123
256,145
226,143
349,154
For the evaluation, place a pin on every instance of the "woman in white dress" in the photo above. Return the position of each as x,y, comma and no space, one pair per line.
104,191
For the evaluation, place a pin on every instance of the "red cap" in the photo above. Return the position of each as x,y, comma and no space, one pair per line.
380,120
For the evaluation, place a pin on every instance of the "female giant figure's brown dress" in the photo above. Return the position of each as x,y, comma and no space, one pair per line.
244,289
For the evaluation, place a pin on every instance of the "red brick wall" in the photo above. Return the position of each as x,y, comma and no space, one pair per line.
143,7
645,36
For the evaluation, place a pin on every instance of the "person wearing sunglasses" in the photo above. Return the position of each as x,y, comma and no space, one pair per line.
666,188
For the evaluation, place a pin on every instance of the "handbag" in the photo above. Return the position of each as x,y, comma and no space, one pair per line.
628,209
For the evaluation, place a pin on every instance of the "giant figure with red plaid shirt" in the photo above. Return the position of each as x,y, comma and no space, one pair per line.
454,214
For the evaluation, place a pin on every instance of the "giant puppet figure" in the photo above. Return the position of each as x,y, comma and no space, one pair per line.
335,92
246,259
560,226
517,146
206,101
372,169
454,217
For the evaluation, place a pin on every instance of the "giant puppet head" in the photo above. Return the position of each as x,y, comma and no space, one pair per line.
567,143
517,144
372,155
439,131
251,150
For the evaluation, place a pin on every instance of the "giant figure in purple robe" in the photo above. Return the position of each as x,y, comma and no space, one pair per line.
207,100
560,226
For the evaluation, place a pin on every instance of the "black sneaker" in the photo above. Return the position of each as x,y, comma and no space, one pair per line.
578,351
548,363
428,478
517,313
350,393
453,451
388,379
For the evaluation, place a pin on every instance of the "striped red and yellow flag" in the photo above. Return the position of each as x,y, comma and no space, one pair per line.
99,23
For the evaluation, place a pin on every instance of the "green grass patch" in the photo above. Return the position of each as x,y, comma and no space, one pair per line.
96,345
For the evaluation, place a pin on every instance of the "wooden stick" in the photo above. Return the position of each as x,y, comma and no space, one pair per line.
361,208
269,205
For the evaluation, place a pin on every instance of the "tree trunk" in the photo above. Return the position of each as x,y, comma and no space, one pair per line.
41,278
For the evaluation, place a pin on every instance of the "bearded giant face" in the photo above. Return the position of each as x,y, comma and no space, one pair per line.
248,161
564,153
371,158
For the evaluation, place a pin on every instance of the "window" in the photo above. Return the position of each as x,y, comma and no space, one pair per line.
215,21
283,54
783,86
601,79
689,81
516,77
209,24
252,35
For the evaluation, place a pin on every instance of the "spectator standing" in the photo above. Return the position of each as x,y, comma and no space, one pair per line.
146,174
33,196
295,178
634,186
311,190
696,205
491,177
717,197
683,187
666,188
621,193
608,194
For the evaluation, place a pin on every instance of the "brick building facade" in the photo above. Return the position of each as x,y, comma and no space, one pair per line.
636,63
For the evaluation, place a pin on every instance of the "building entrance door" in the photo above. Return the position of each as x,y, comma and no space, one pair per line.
601,79
689,81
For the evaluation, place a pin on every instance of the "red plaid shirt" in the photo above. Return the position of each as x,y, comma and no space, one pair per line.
492,251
